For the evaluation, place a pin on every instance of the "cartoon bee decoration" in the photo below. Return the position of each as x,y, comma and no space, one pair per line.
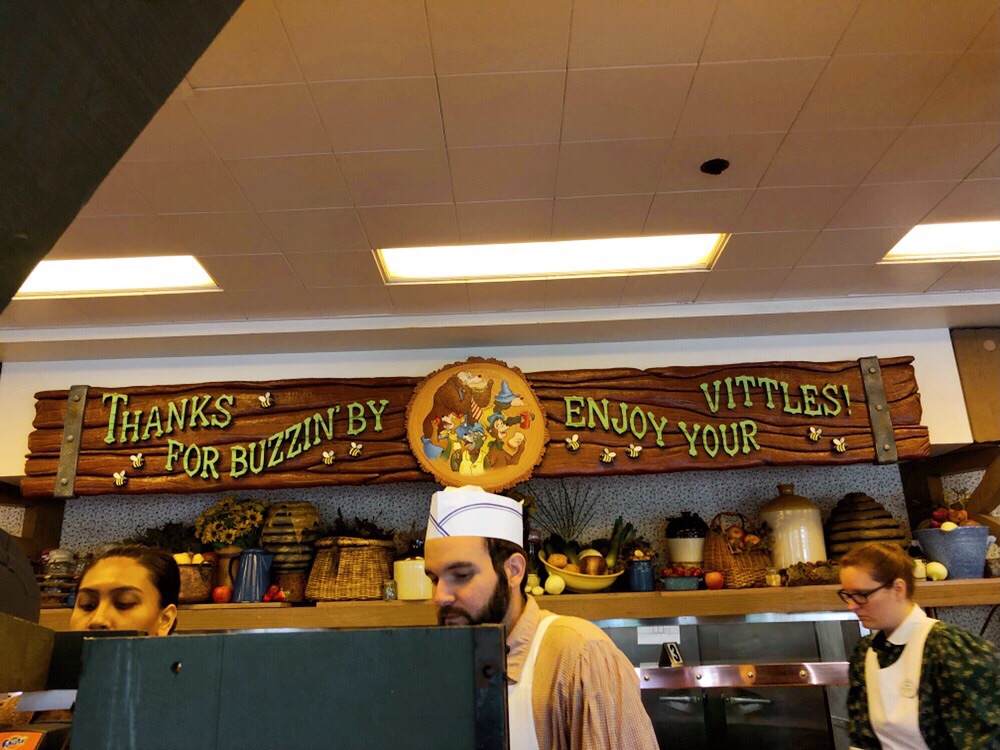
633,451
137,460
328,457
573,443
265,401
840,444
608,457
120,478
355,450
815,433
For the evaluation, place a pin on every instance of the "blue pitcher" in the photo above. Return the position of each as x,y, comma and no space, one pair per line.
253,577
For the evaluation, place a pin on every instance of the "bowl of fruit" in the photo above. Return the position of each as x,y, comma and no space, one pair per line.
573,574
682,578
197,578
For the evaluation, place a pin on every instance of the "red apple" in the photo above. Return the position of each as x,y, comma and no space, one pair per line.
714,580
212,557
734,533
940,515
222,594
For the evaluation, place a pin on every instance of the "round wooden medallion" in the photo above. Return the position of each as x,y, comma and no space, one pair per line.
477,422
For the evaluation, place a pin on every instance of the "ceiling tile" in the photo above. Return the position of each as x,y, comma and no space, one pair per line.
764,250
887,26
938,152
504,172
638,32
733,286
380,178
162,308
489,37
336,269
871,91
603,216
640,102
241,272
828,157
185,186
410,226
971,200
506,221
116,237
662,288
969,93
502,109
353,300
816,281
694,212
220,234
172,135
505,296
761,30
260,120
988,167
610,167
315,231
902,278
416,299
896,204
380,114
562,294
747,97
748,157
115,197
970,276
846,247
776,209
286,182
251,48
340,39
47,313
274,304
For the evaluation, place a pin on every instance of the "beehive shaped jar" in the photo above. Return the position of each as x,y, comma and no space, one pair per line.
797,528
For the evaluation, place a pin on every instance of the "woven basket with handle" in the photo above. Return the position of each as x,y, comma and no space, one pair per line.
743,569
348,568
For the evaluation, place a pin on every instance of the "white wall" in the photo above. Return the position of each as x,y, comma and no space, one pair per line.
936,372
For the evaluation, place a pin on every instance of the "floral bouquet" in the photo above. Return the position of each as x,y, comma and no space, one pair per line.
232,521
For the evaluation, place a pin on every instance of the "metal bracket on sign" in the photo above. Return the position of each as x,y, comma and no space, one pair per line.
69,451
878,411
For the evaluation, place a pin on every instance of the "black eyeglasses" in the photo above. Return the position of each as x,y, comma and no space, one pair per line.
859,597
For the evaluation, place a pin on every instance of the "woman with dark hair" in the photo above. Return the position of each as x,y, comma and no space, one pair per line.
915,682
129,587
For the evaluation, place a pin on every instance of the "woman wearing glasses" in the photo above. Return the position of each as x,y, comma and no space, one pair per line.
916,682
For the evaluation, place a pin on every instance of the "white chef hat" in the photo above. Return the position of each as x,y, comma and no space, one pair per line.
471,511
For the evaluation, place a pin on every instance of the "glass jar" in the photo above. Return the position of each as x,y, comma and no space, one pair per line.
389,591
772,577
640,575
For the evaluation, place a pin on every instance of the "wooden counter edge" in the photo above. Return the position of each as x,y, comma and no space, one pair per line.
661,604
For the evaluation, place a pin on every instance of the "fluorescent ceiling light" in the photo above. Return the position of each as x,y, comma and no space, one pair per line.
970,240
114,277
541,260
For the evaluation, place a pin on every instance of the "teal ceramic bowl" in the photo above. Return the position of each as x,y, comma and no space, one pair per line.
681,583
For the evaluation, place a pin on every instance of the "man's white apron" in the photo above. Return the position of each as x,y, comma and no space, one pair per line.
521,717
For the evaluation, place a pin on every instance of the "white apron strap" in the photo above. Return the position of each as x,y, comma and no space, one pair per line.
521,716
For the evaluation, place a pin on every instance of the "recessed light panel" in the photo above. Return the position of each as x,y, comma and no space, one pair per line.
114,277
544,260
926,243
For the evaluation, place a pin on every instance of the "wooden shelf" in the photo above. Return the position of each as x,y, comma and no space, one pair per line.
660,604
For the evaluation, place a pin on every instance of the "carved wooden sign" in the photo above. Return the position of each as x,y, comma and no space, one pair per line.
300,433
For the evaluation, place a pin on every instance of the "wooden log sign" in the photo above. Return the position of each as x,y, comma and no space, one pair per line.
302,433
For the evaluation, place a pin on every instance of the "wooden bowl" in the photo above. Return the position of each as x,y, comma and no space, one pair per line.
578,582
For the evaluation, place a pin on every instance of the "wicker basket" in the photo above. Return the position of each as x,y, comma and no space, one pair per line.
348,568
742,570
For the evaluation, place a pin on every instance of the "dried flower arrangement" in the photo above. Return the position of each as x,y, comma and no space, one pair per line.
232,521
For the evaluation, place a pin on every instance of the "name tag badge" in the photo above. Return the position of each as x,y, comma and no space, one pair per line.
908,688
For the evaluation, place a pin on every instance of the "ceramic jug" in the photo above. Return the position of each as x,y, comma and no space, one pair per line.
797,527
253,577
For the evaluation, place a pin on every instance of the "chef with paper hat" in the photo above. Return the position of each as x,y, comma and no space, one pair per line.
566,680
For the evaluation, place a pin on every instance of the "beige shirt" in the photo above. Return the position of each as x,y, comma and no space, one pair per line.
585,694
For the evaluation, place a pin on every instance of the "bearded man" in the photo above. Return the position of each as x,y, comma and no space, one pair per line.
568,685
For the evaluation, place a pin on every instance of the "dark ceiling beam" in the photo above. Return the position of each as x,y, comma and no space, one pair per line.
78,83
